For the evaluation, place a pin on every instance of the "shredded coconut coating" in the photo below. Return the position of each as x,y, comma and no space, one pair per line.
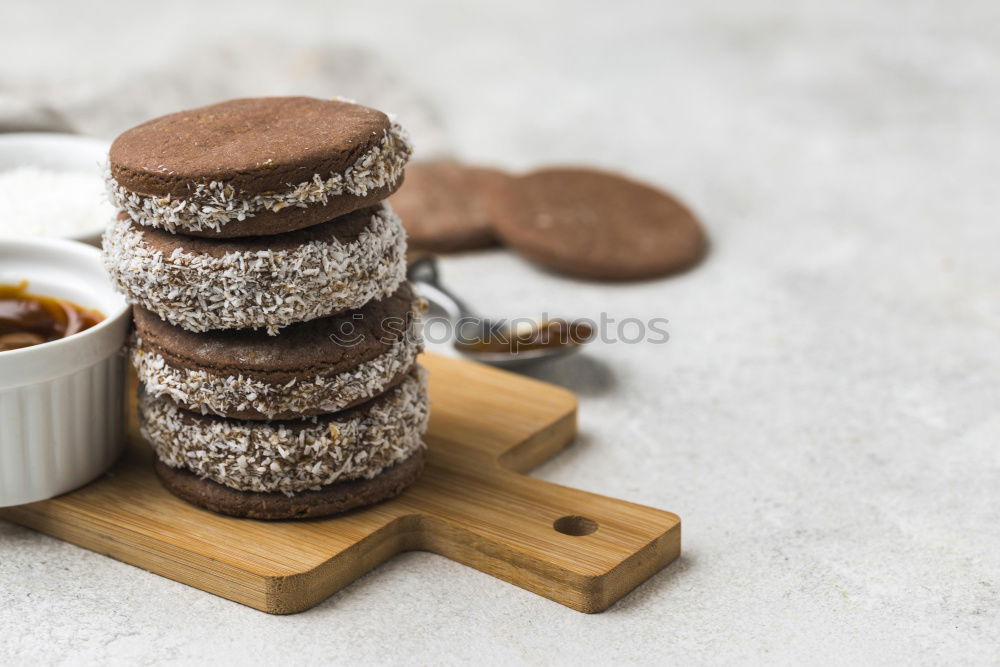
215,204
262,289
272,457
211,393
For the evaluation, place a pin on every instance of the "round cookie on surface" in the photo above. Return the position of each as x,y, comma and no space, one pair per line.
321,366
444,205
256,166
596,224
291,456
258,282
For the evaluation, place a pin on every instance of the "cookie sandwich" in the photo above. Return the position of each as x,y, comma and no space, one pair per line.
249,167
264,282
300,468
310,368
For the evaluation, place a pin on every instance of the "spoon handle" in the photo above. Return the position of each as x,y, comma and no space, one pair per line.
423,273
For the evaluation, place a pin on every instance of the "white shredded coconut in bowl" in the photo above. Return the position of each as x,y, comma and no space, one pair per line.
38,201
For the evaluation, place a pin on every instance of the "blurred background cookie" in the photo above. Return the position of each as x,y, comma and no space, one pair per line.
444,205
596,224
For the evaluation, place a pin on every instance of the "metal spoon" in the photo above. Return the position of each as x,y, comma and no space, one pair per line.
491,341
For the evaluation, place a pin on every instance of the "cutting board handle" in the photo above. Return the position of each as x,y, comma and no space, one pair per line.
580,549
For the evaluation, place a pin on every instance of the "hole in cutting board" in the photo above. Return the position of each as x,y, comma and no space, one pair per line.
577,526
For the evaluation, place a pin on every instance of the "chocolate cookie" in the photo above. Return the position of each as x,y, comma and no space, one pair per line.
290,456
445,205
262,281
256,166
326,501
314,367
597,225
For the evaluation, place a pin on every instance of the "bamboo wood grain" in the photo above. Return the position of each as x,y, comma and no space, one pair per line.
471,505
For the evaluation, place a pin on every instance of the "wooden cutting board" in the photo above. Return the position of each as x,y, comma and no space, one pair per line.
472,504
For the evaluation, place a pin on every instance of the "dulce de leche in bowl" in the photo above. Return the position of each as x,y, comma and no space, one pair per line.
62,328
32,319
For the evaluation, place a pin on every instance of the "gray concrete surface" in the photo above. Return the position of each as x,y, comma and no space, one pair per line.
824,417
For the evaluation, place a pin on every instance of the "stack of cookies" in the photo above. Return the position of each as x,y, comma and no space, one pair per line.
276,336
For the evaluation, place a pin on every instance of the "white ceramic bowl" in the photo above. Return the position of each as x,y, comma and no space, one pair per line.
61,403
60,152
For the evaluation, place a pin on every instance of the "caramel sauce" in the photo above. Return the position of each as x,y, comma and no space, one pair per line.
546,334
31,319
